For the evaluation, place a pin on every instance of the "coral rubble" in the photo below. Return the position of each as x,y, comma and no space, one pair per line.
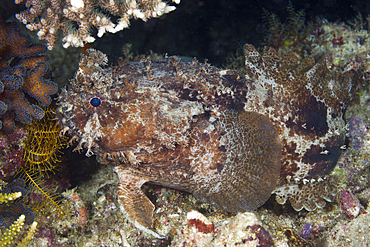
245,229
350,233
23,74
350,204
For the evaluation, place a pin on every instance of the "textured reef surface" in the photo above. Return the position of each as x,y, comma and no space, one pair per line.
229,140
23,71
194,134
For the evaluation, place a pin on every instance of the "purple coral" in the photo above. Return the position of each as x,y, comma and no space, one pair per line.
260,233
306,231
23,73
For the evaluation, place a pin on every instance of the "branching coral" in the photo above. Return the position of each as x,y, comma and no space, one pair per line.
10,211
6,197
12,233
76,17
13,216
22,72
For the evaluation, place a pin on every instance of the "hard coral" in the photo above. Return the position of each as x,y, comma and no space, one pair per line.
11,211
75,18
22,70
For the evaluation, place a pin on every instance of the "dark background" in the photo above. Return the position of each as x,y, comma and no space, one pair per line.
210,29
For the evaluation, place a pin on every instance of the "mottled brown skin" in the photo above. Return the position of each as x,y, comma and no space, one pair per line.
306,103
193,127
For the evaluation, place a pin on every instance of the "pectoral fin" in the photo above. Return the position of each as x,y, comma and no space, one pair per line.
134,203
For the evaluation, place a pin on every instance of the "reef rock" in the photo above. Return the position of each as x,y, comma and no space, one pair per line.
229,140
245,229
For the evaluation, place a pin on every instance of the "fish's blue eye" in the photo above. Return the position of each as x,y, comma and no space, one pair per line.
95,102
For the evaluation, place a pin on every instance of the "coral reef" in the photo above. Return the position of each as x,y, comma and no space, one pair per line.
52,219
90,209
11,151
11,234
290,36
9,212
350,205
38,148
245,229
13,215
351,233
42,156
344,45
9,197
105,224
76,17
23,73
94,217
352,170
42,148
357,131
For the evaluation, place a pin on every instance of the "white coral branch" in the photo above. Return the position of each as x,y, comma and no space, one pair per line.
76,17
